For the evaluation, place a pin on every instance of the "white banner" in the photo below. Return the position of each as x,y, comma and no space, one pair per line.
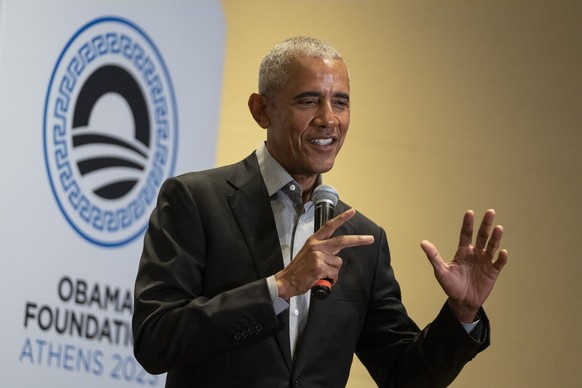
100,101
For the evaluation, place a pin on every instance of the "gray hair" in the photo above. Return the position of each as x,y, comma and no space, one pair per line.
275,67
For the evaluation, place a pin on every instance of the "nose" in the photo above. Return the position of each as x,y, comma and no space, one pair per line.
325,115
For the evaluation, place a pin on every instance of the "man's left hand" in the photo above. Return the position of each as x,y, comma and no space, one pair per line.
469,278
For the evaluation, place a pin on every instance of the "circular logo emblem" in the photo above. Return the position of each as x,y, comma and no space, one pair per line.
110,130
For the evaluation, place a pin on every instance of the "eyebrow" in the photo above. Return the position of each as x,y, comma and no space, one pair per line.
344,96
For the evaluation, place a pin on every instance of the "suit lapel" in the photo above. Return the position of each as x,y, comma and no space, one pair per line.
251,208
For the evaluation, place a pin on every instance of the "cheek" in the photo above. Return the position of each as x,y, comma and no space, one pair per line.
297,130
345,121
344,131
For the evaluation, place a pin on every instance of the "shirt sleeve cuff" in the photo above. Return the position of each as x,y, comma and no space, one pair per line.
469,327
279,304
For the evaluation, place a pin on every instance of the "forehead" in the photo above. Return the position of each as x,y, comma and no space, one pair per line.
317,74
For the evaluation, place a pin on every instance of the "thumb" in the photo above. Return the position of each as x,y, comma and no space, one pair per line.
432,254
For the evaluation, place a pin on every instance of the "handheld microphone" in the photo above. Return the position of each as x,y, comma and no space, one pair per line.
325,198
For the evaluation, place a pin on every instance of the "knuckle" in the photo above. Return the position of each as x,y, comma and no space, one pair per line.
329,223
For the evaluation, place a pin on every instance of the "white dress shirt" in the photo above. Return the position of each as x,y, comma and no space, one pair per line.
294,223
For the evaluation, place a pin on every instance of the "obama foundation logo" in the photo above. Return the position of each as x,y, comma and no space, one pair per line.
110,130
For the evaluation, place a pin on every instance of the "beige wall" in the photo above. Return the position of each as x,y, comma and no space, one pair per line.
455,105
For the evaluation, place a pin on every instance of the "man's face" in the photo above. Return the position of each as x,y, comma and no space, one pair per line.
309,117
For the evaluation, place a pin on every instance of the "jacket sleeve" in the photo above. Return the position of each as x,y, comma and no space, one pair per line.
175,323
395,351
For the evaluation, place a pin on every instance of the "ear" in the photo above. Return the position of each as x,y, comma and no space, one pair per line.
258,108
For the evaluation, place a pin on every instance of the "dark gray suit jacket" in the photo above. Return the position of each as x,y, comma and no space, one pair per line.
203,312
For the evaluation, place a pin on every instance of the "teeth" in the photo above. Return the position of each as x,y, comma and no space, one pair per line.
321,141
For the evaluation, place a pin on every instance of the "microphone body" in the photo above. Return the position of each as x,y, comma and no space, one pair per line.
325,198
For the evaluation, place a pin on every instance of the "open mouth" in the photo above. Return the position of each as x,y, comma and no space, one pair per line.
322,142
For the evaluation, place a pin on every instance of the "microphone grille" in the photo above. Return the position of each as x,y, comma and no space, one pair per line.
325,193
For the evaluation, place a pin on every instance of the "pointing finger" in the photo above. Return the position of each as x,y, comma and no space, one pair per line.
331,226
336,244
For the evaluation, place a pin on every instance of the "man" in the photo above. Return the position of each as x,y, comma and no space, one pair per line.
223,287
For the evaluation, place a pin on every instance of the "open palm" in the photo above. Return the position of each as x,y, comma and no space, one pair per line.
469,278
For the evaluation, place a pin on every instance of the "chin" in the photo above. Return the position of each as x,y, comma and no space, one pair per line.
323,168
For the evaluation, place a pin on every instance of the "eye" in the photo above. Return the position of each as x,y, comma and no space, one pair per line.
308,102
341,104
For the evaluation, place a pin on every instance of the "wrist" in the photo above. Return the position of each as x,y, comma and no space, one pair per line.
463,313
283,288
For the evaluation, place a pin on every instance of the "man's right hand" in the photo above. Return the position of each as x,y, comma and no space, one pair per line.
318,258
